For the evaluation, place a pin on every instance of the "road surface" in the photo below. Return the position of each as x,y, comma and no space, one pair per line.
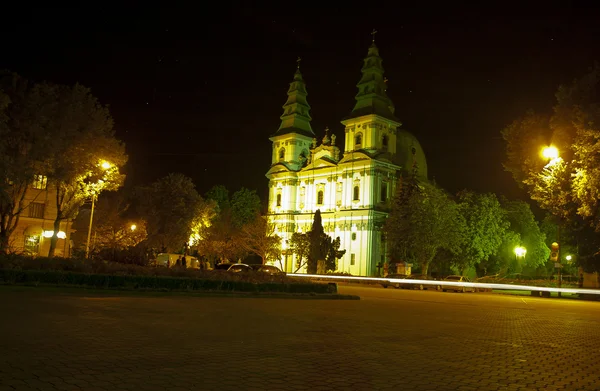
389,340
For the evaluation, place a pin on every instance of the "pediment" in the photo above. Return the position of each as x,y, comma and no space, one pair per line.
277,168
355,156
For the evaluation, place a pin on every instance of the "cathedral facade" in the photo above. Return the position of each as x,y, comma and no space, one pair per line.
351,184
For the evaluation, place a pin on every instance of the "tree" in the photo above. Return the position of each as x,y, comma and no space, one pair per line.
567,186
333,253
245,206
527,230
318,249
170,206
23,147
485,228
113,229
224,238
220,195
300,246
408,187
259,237
85,156
431,221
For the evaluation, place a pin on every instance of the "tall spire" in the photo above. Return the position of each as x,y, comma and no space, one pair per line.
372,97
296,110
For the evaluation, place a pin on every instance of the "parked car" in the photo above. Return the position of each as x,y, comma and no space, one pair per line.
396,285
420,286
267,269
458,288
233,267
240,268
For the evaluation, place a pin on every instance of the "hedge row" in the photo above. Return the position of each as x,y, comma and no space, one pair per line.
104,281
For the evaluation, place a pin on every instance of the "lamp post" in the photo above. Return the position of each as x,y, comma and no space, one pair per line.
105,166
551,153
89,235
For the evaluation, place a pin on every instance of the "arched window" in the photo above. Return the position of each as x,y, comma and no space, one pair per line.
278,199
320,197
282,154
384,143
356,193
358,141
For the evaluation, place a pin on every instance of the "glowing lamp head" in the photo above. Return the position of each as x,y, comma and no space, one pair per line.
568,257
520,251
550,153
133,227
105,165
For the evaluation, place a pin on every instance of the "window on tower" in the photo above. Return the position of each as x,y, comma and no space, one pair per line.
278,200
384,191
356,195
384,143
282,154
358,141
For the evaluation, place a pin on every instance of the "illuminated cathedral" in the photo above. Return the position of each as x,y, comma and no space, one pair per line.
351,182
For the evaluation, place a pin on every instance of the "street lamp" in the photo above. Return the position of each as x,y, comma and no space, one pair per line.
520,251
568,258
105,166
550,152
133,227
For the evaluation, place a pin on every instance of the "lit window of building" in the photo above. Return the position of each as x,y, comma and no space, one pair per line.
39,182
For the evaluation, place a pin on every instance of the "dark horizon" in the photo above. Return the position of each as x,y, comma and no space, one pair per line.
202,97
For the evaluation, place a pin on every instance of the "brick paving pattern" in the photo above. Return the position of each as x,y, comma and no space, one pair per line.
389,340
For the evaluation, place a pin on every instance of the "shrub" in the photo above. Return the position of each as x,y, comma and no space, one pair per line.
18,269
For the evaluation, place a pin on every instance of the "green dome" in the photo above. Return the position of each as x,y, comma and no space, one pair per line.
405,142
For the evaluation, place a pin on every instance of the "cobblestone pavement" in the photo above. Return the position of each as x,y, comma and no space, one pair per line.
389,340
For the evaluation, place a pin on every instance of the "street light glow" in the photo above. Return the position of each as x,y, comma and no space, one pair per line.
133,227
568,257
105,165
520,251
550,152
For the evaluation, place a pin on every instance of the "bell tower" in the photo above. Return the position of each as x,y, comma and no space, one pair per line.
293,139
372,125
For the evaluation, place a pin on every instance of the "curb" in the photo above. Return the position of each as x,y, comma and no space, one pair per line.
77,290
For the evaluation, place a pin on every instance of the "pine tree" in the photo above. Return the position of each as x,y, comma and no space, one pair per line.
316,236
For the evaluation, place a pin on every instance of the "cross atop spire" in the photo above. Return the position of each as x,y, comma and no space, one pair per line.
298,62
373,34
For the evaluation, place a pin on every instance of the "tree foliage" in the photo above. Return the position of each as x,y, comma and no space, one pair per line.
259,237
316,246
428,222
299,245
245,207
485,228
568,186
85,156
112,228
234,221
170,206
23,147
527,231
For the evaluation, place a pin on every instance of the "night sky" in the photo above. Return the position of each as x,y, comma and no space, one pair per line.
199,91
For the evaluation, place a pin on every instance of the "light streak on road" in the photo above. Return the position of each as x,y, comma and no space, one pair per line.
442,283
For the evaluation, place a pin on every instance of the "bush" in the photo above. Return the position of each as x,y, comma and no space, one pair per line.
18,269
104,281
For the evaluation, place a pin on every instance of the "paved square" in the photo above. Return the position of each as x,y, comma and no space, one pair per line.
391,339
